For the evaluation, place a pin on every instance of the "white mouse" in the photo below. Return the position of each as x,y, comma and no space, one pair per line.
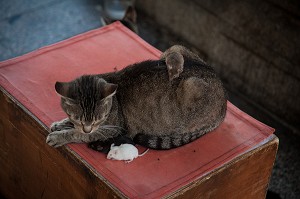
125,152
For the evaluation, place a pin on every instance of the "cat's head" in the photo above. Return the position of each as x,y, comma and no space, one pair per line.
87,101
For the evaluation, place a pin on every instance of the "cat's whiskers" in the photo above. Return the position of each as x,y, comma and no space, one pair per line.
112,126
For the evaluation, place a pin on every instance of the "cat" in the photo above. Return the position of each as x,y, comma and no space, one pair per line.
129,20
146,101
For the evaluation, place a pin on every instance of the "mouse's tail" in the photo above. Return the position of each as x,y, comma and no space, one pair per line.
164,142
144,153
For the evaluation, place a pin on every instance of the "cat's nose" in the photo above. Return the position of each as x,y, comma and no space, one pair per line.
87,129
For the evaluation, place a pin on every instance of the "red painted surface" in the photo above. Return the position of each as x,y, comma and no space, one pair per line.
31,78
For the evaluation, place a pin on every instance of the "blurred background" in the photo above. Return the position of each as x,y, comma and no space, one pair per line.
253,45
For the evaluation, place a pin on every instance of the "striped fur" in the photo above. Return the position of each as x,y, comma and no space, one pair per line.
165,142
158,110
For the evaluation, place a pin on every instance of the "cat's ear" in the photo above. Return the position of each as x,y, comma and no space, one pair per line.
130,14
62,88
109,90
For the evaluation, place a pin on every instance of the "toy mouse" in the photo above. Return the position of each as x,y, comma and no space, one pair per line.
125,152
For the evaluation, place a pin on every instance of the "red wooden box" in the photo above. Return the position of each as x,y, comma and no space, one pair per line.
234,161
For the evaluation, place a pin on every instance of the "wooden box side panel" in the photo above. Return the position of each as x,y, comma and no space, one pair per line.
246,177
32,169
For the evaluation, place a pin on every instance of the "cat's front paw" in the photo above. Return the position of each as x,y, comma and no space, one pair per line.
55,139
54,127
59,126
100,146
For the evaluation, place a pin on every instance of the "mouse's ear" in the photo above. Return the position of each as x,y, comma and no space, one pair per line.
112,145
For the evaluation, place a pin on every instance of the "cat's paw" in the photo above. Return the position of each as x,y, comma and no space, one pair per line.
55,126
59,126
95,146
55,139
100,146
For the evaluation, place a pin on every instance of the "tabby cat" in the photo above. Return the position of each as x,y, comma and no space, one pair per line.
162,104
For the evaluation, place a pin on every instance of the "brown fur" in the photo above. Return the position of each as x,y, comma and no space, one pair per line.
158,111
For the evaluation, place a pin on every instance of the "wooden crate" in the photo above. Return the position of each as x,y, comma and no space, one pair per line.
234,161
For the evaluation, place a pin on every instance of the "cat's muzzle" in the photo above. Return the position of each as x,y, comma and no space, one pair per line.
87,129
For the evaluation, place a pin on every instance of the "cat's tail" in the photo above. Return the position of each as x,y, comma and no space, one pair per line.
165,142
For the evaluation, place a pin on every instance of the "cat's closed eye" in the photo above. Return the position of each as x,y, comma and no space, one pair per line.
96,123
75,120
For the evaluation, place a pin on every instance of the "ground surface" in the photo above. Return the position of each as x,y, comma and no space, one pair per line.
26,25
